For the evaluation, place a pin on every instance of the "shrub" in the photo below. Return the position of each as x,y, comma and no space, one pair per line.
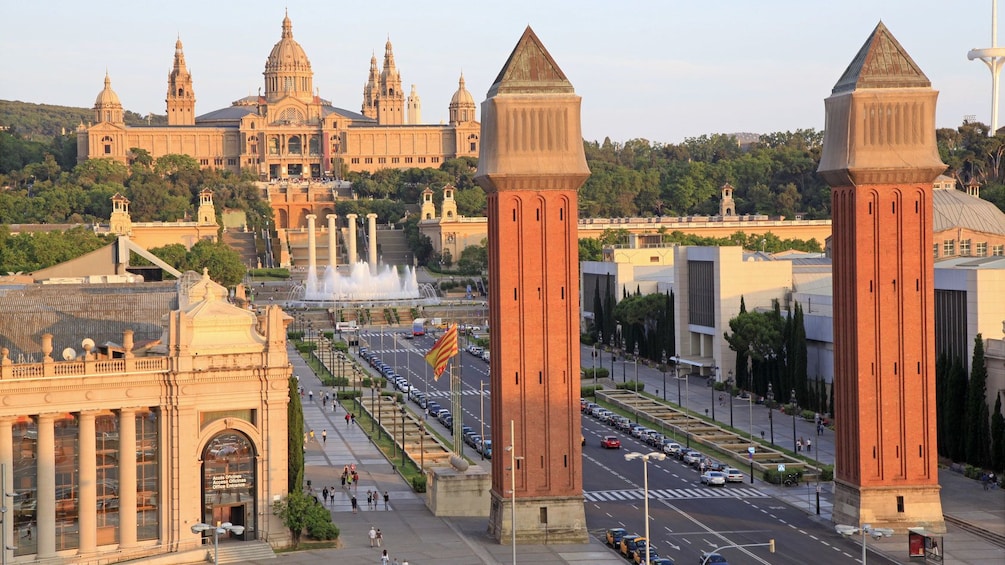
293,336
827,473
419,484
306,347
589,390
808,415
601,373
630,385
318,522
349,394
274,273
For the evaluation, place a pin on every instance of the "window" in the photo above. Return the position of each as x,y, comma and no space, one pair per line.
314,145
381,160
218,162
965,247
294,145
408,159
935,250
982,249
204,162
998,250
354,160
435,159
394,160
231,162
368,160
422,159
273,145
949,247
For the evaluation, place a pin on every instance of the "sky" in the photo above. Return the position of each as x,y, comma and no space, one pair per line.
661,70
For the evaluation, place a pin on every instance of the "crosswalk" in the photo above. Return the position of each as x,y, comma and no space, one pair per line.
446,393
673,494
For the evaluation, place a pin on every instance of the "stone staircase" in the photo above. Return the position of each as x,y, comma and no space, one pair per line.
244,243
242,552
393,247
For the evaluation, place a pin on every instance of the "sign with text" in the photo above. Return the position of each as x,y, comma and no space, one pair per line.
228,481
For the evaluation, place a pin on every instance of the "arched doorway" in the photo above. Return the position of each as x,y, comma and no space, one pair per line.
229,481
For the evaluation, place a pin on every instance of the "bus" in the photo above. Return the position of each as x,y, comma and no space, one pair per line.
349,326
418,327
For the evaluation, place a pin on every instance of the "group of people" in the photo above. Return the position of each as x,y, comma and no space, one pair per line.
376,539
990,480
800,443
373,499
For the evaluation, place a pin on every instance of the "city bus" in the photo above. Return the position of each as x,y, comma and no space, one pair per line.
418,327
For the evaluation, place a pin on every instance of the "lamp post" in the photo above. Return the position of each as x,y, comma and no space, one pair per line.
771,420
512,486
481,414
729,385
663,367
792,406
373,406
402,436
715,373
636,381
645,484
866,529
687,415
676,363
600,353
422,446
217,532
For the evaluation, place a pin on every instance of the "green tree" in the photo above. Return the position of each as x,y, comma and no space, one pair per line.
293,511
956,408
978,436
295,441
590,249
998,436
224,263
474,259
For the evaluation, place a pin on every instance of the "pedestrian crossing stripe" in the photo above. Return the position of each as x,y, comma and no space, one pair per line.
673,494
446,393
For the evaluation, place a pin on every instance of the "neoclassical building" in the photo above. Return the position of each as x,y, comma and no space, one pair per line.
289,131
131,412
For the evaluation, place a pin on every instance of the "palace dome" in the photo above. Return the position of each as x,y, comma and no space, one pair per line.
287,55
462,96
107,97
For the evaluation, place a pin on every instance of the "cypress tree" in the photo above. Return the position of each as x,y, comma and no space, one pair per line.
295,438
598,312
978,436
672,313
801,355
941,399
998,437
956,409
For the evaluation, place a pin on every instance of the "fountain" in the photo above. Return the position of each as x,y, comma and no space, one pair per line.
365,282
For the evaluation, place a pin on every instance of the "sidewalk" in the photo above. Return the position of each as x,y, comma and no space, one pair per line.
410,531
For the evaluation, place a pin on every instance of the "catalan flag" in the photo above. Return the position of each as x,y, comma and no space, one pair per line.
445,348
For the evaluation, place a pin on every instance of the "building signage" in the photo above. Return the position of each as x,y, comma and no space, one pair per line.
224,482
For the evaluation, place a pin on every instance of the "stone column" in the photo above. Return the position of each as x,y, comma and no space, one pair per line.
312,252
7,460
371,228
352,239
127,477
88,508
45,511
332,242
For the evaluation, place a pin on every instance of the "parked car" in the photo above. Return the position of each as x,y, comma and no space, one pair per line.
621,422
692,457
629,543
671,448
610,442
660,561
733,475
487,448
713,478
638,554
614,536
712,558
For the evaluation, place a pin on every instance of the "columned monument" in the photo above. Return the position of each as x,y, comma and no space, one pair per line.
531,165
880,158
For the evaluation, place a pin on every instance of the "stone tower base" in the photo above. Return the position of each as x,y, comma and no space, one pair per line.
458,493
878,506
566,520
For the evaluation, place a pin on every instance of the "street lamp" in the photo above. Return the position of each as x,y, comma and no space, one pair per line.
729,385
663,367
422,446
715,373
512,485
792,406
636,381
600,354
687,415
373,406
481,413
217,532
403,436
866,529
645,485
771,420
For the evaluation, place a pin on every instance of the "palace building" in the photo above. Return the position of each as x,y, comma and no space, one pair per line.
289,131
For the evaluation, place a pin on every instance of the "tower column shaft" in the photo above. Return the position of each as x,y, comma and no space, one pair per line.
351,218
332,242
312,250
371,223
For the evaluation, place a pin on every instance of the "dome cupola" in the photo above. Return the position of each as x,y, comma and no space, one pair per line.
107,107
287,70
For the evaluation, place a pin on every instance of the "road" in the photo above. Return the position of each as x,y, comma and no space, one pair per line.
686,517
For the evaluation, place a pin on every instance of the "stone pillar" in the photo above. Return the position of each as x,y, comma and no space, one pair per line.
88,508
371,229
127,344
312,252
332,242
352,239
45,511
7,460
127,478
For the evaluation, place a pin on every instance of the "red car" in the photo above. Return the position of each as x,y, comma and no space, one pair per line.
611,442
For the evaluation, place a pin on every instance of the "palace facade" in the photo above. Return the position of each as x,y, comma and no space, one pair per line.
289,131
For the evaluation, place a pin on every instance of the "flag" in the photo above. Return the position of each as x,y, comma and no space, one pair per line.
445,348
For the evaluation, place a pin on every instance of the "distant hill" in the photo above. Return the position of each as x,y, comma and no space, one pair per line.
45,121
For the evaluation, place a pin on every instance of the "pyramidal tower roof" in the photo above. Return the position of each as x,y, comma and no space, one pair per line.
530,69
881,63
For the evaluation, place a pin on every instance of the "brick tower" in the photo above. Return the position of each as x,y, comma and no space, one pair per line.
880,158
531,165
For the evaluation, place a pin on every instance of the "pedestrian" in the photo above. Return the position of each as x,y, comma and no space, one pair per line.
721,402
343,479
380,538
373,536
310,395
383,556
324,495
386,501
985,481
395,561
334,404
809,444
799,444
404,562
352,418
354,504
369,500
313,439
324,436
347,419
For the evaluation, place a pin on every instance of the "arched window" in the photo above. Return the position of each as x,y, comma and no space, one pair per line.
294,146
314,145
273,145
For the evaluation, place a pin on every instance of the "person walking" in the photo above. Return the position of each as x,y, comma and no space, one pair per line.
347,419
352,418
809,444
373,536
384,558
380,538
387,499
799,444
324,436
313,439
369,500
355,506
310,395
324,495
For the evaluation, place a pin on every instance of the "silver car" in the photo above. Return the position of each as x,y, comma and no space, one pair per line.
713,478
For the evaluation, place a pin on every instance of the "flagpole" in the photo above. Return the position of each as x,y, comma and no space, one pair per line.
455,405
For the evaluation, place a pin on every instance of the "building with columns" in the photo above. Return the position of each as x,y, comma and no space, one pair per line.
289,131
131,412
